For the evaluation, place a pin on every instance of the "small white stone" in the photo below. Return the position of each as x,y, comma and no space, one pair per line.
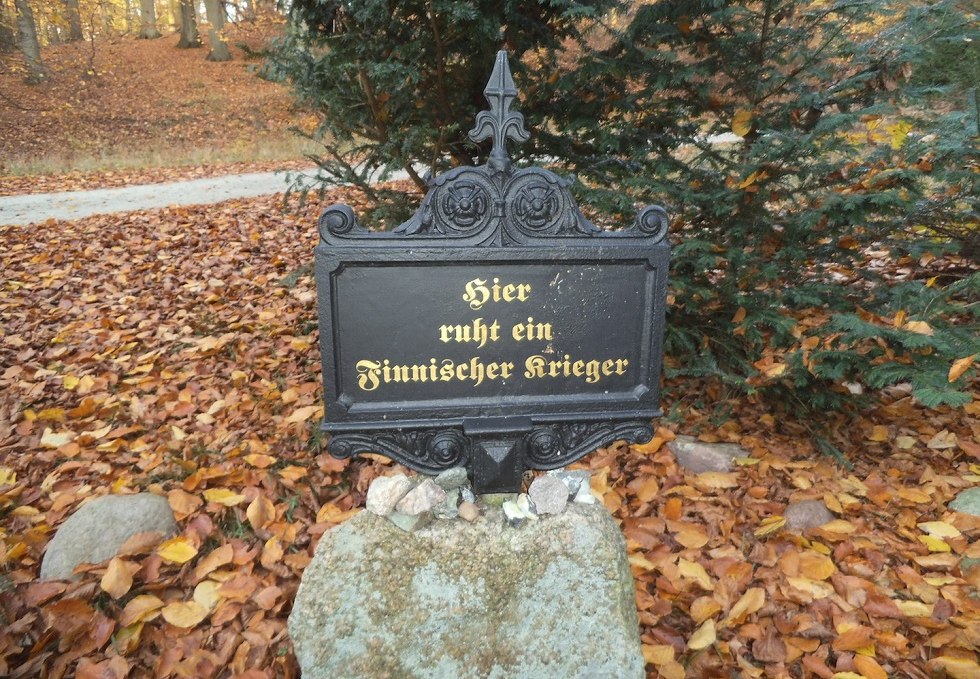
423,498
584,495
385,492
513,514
525,505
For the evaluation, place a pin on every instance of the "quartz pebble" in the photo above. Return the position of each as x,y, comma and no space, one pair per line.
385,492
525,505
454,477
467,494
549,495
469,511
423,498
513,514
516,512
584,495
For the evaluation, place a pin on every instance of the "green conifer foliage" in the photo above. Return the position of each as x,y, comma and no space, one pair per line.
802,149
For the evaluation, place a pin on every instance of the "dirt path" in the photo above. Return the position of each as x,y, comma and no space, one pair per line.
39,207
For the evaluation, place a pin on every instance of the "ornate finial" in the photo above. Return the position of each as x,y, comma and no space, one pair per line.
500,123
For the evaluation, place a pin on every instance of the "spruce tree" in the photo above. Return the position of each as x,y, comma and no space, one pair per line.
802,148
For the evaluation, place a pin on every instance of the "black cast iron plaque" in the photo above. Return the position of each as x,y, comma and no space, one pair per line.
498,328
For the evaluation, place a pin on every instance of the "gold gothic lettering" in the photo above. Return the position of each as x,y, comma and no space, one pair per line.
372,374
531,331
537,367
479,292
478,332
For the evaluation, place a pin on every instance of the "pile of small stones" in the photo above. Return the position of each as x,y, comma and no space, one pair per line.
412,503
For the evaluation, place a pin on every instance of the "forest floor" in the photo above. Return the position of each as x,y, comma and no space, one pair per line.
174,351
127,111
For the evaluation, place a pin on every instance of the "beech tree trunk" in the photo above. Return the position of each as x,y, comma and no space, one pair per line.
216,24
188,25
8,38
28,42
148,20
74,20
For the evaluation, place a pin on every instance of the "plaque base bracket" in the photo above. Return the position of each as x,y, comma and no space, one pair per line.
496,450
497,454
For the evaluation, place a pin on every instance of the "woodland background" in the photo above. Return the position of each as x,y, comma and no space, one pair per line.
818,160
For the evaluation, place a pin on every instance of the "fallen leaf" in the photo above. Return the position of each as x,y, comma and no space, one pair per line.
919,327
703,608
943,440
303,414
748,603
177,550
869,667
696,572
648,490
50,439
140,608
260,512
959,367
879,433
742,122
272,552
814,588
769,525
260,461
183,503
703,637
658,654
958,668
184,613
118,578
206,594
853,639
913,609
816,566
214,560
223,496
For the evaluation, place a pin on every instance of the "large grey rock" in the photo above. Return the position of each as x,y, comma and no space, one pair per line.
806,514
552,599
699,457
96,531
967,502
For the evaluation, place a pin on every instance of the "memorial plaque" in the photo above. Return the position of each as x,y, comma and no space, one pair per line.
498,328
